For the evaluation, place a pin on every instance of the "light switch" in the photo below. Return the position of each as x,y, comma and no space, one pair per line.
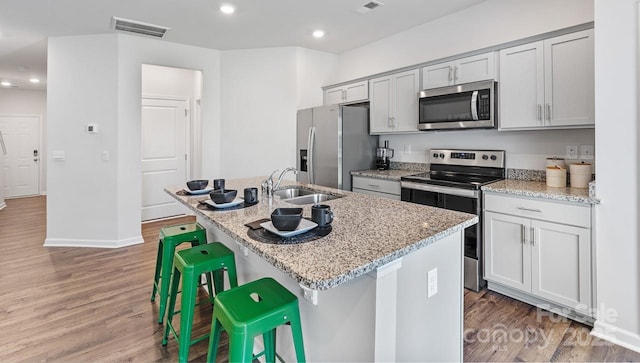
92,128
58,155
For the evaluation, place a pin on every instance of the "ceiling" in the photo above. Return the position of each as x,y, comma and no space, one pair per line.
25,25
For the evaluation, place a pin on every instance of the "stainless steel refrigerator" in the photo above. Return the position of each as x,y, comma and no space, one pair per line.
333,141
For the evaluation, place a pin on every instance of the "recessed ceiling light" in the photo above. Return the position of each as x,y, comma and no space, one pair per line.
5,83
227,9
318,33
34,80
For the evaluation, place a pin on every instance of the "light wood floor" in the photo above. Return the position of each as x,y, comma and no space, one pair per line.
92,305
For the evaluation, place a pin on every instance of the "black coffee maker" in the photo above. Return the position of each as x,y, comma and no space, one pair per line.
383,156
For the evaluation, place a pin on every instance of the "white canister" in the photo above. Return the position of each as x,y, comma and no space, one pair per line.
580,175
556,177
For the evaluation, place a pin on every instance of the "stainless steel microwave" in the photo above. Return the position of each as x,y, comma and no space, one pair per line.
464,106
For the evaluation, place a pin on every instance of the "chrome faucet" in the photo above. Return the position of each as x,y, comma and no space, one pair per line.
268,185
277,186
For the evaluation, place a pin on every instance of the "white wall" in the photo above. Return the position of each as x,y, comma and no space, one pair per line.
262,90
489,23
98,78
16,102
617,138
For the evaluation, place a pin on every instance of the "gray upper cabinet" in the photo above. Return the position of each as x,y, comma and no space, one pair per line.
348,93
394,103
470,69
548,84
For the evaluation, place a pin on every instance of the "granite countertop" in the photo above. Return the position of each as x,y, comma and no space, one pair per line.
538,189
367,232
392,174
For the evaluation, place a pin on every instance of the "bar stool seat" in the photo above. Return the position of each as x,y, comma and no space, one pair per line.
170,238
258,307
189,265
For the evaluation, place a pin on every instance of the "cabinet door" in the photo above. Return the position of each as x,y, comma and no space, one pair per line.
380,105
333,96
356,92
521,86
405,100
507,255
476,68
437,75
569,79
561,264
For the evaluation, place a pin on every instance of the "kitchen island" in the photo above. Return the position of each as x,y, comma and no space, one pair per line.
363,288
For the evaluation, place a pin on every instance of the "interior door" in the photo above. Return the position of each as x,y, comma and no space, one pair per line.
21,172
165,130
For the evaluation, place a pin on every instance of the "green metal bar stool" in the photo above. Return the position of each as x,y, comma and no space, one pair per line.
212,258
258,307
170,238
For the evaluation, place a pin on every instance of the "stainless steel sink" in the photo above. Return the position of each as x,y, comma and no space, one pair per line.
301,196
288,193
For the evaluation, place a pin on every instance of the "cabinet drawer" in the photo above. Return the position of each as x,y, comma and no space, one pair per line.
376,185
376,194
576,215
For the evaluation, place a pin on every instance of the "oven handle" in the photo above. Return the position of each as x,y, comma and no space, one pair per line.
440,189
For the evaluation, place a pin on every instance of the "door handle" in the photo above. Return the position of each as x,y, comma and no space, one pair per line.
522,233
539,112
548,112
474,106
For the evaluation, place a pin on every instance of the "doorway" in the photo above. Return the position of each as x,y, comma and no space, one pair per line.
21,164
169,147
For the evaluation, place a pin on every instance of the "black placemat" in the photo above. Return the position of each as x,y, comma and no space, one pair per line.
262,235
204,206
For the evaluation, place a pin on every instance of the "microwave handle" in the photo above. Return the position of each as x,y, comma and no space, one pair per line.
474,106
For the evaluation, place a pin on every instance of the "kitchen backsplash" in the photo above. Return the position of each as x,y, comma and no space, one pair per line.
518,174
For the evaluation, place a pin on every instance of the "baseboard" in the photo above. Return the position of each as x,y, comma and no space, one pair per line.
44,192
615,335
2,205
96,243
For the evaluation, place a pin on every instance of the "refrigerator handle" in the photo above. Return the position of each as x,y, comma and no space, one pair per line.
310,161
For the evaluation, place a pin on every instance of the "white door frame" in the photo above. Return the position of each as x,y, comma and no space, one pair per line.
41,152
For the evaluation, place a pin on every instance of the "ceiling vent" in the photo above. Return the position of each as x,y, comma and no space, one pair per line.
368,7
138,27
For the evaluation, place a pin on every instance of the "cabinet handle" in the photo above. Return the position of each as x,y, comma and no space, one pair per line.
344,94
450,77
539,112
455,73
533,236
393,122
530,209
548,112
373,186
522,233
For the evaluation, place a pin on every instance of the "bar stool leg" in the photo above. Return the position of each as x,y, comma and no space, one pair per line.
214,339
167,255
240,348
269,340
156,275
175,281
189,287
296,332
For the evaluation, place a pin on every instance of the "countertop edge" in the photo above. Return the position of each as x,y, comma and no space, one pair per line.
560,196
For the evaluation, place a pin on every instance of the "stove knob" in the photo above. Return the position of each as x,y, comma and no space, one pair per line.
435,155
485,157
441,156
493,157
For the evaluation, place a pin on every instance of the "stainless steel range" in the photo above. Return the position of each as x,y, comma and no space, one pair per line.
453,182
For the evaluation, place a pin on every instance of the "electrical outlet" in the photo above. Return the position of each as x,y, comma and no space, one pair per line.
432,282
586,152
572,152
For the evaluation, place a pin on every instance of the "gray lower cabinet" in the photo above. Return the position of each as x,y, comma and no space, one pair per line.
383,188
539,248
